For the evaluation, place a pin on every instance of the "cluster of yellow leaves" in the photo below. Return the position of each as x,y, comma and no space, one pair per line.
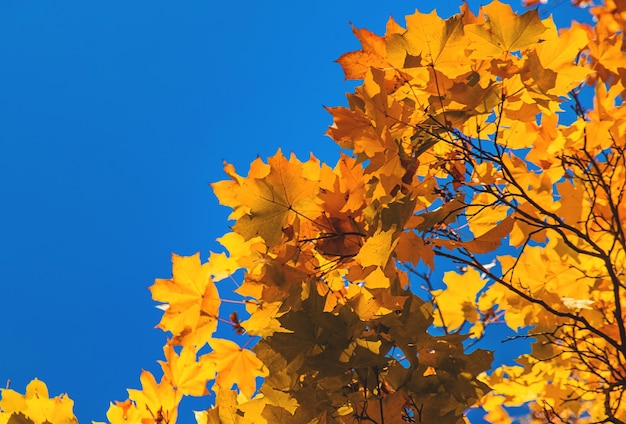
35,406
473,102
191,308
456,151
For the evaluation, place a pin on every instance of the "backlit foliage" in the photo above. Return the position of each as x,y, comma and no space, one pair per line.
456,154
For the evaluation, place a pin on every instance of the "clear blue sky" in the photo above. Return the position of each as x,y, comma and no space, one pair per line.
114,118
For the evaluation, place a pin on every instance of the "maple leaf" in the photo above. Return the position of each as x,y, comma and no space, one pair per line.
558,54
271,198
505,31
412,248
577,303
343,198
457,303
157,402
235,365
373,53
263,319
192,301
242,254
432,41
354,130
486,242
442,215
186,374
377,248
484,213
392,408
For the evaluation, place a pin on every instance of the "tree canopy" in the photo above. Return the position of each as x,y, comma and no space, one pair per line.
463,199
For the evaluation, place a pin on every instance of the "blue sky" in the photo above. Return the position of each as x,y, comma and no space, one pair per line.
114,118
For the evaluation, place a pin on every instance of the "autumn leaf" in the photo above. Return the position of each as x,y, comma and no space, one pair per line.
157,402
558,53
392,408
187,375
484,243
412,248
373,53
377,249
435,42
271,198
235,365
192,301
505,31
442,215
241,254
225,410
352,129
484,213
263,319
457,303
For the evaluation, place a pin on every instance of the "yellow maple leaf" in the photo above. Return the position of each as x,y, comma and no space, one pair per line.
192,301
377,279
558,53
445,214
504,31
271,198
457,303
609,54
432,41
484,213
157,402
495,412
354,130
235,365
486,242
186,374
242,254
263,321
372,303
373,53
377,248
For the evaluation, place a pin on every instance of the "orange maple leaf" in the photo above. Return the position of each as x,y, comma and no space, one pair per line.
271,198
373,53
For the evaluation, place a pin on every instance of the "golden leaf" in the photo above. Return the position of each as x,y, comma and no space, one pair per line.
187,375
270,199
192,298
235,365
157,402
457,303
504,31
